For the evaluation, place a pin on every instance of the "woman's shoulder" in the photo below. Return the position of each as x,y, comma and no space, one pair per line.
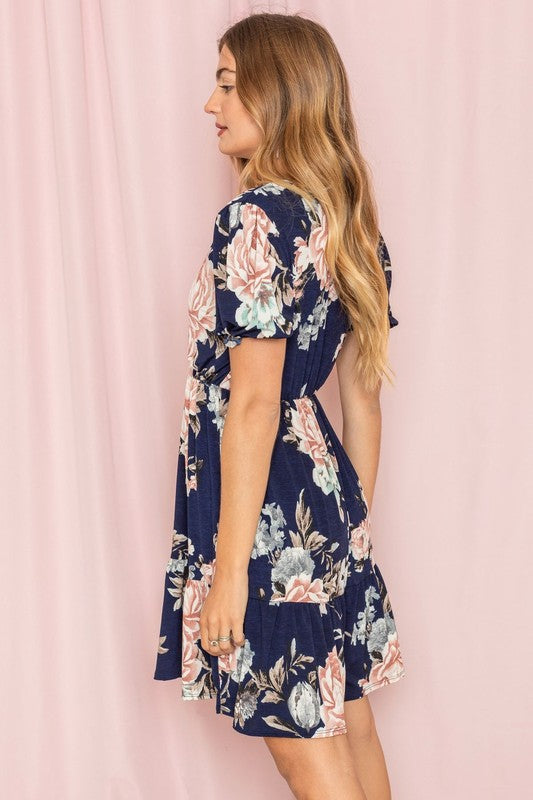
269,195
285,209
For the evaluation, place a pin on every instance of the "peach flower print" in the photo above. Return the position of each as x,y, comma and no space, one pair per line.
311,441
195,396
317,254
227,662
307,429
191,666
249,268
388,670
194,595
249,263
332,683
301,589
208,571
360,542
313,250
201,304
301,262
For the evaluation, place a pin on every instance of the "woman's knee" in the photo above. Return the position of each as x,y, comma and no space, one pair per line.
284,753
302,760
360,719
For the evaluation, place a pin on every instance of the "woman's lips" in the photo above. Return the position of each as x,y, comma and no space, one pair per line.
221,130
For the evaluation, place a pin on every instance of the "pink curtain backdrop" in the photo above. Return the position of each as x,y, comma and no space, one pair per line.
111,177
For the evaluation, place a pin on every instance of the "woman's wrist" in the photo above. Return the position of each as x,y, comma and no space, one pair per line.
230,572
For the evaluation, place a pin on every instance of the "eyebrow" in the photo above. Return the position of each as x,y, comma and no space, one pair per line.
221,70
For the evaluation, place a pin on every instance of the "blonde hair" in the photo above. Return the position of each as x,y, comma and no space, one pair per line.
292,81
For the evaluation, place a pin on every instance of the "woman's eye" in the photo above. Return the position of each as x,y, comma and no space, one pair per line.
226,88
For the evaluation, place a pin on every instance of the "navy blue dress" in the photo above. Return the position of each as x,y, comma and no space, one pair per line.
319,626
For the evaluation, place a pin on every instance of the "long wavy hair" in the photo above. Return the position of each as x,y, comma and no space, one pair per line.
293,83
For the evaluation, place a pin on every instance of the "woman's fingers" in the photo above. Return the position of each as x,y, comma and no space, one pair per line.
238,632
212,631
222,617
226,645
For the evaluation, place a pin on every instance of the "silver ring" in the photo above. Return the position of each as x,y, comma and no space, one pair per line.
213,642
224,638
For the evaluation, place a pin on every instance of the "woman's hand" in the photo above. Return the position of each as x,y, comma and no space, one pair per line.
223,612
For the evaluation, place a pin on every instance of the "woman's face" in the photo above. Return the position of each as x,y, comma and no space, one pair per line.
241,135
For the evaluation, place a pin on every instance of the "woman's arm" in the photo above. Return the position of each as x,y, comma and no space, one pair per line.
361,415
248,436
250,427
255,311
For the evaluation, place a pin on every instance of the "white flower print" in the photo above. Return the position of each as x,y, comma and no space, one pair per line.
304,705
293,561
308,331
269,536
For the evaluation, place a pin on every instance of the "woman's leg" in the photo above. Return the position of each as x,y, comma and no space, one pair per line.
317,769
365,747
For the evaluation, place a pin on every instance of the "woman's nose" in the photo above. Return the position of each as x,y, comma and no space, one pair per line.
208,107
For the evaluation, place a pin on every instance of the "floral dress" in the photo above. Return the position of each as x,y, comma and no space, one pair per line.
319,627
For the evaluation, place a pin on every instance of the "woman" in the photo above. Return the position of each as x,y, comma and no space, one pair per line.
273,603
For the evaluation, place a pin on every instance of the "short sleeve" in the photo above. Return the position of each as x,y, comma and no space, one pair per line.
384,258
253,277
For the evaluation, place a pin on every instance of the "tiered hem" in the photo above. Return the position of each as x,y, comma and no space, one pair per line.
300,663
